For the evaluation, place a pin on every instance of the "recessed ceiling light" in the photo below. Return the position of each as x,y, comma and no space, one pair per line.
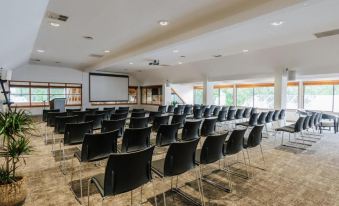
217,55
277,23
131,63
107,51
54,24
88,37
163,22
175,51
40,50
182,56
57,62
179,62
245,50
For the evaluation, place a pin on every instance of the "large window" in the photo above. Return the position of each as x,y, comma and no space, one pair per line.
292,97
223,95
37,94
257,95
151,95
198,95
175,98
132,98
319,96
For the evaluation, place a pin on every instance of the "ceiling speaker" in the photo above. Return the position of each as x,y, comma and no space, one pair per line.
291,75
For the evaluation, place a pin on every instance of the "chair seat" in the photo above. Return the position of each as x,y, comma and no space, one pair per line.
99,182
158,167
286,129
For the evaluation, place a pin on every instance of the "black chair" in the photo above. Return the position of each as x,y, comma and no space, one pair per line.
136,139
111,125
51,117
110,109
138,110
95,147
253,121
60,122
231,116
208,126
207,113
262,118
232,108
123,109
124,173
268,119
216,111
191,130
92,110
138,122
70,111
138,114
117,116
329,121
106,113
162,109
120,111
179,118
254,110
292,129
167,134
45,111
170,109
212,107
152,115
247,113
81,115
196,106
96,118
160,120
239,114
178,110
188,110
211,151
235,145
180,158
221,118
275,117
282,117
254,139
225,108
197,114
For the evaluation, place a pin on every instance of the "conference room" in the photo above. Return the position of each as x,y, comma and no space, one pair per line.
169,102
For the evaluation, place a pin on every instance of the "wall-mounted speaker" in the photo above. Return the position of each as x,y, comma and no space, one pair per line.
292,75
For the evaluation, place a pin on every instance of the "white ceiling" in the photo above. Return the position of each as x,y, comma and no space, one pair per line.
19,23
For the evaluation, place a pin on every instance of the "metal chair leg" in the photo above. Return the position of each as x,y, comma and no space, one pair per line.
201,191
154,194
88,189
243,154
80,180
262,155
163,194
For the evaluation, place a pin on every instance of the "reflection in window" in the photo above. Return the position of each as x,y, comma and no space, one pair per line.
264,97
292,93
318,97
198,95
245,97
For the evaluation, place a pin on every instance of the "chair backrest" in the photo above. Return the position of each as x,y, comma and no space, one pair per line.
254,110
299,124
136,139
191,130
138,122
197,113
70,111
96,118
179,118
81,115
253,119
119,111
92,110
312,120
117,116
317,119
110,109
170,109
262,118
269,117
167,134
138,110
306,122
178,110
208,126
111,125
247,112
180,157
45,111
255,136
51,117
98,146
232,108
203,107
123,109
128,171
276,115
152,115
212,107
188,110
60,122
75,132
159,120
216,111
222,116
231,114
212,149
282,114
138,114
207,112
225,108
239,113
196,106
106,113
235,143
162,109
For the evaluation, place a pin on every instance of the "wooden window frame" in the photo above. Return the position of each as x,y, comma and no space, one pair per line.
150,87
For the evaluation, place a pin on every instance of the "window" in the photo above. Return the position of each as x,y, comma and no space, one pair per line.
292,93
198,95
318,96
223,95
175,98
132,98
216,96
31,94
151,95
256,95
336,99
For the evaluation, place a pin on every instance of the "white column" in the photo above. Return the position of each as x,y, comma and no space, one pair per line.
166,94
280,89
208,93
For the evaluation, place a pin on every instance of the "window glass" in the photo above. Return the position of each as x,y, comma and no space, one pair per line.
264,97
226,96
318,97
292,97
245,97
216,97
336,98
198,96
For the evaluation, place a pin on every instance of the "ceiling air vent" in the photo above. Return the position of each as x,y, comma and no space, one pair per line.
55,16
96,55
327,33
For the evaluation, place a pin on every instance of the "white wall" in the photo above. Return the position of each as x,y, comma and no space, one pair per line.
185,91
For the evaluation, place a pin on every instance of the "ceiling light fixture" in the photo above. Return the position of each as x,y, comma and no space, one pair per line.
131,63
107,51
245,50
277,23
54,24
40,50
175,51
88,37
179,62
163,22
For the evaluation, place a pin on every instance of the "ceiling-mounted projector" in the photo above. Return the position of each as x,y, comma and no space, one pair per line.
154,63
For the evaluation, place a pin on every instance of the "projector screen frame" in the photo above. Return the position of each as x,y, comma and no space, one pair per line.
105,74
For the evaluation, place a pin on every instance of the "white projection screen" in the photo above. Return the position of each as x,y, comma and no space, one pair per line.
108,87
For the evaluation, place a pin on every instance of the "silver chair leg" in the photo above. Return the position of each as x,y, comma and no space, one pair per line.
243,154
200,186
154,194
88,189
262,155
163,194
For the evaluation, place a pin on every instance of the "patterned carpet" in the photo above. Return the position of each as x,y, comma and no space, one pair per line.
292,177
